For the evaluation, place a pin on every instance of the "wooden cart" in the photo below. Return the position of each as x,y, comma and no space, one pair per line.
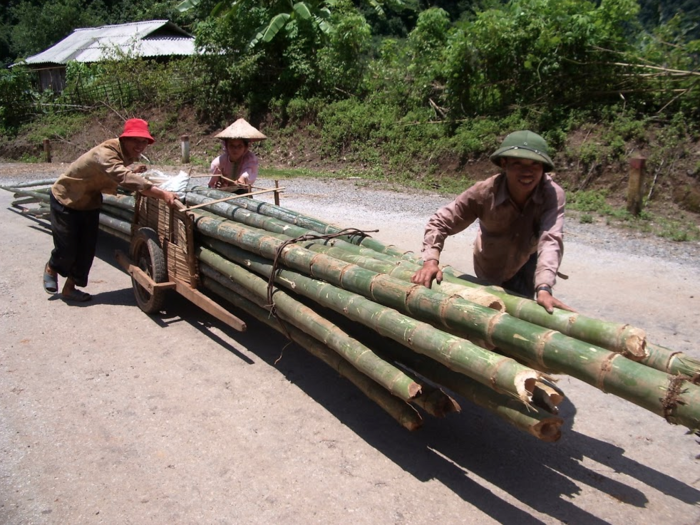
162,258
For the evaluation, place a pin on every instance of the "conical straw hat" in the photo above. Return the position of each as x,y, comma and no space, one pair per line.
241,130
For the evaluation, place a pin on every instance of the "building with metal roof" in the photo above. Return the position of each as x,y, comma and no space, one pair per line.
148,39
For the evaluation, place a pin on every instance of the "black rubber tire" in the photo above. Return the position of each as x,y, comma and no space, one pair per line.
147,254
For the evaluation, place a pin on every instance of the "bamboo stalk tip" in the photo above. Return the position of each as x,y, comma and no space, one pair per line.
635,344
525,383
548,430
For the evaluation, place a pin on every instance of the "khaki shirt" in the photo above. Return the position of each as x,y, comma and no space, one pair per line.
100,170
507,235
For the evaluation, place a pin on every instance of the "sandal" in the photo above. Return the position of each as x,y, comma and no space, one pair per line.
77,296
50,281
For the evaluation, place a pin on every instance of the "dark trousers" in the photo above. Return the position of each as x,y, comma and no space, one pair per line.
523,282
74,240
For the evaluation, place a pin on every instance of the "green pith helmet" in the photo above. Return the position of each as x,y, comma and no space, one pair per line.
524,145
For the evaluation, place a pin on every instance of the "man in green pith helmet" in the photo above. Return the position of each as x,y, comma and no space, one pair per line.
520,242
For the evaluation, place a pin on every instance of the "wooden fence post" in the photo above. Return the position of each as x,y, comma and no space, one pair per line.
634,188
47,150
277,193
185,141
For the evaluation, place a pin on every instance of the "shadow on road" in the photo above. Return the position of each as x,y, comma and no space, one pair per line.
475,454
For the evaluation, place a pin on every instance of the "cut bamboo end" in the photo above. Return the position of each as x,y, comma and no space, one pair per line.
414,390
555,393
525,383
547,396
548,430
436,402
410,422
635,344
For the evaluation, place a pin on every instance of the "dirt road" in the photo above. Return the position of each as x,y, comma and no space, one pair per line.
110,416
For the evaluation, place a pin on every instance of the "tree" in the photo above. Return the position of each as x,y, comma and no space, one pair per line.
548,53
39,26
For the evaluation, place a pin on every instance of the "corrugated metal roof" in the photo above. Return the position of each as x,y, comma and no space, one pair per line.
92,44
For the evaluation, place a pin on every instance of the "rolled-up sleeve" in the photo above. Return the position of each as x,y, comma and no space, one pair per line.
449,220
249,169
550,247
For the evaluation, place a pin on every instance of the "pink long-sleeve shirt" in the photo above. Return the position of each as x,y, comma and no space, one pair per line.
245,171
507,235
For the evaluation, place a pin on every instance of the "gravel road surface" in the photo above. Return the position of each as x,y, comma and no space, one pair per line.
111,416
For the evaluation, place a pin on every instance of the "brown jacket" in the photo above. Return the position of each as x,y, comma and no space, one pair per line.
507,235
100,170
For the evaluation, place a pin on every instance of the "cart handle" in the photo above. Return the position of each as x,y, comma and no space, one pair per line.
234,196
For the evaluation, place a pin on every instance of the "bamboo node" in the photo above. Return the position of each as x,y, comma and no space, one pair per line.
671,399
605,367
542,341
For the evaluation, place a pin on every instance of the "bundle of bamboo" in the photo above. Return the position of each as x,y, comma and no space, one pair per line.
347,298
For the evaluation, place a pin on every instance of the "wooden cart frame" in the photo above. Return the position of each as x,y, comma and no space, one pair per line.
162,257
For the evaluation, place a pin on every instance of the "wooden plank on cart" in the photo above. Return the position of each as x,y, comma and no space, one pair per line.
210,306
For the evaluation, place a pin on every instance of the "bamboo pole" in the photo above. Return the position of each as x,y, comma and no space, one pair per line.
340,249
233,197
538,347
115,224
531,420
623,338
304,221
613,336
39,196
542,426
617,337
293,312
117,213
29,184
675,363
501,373
125,202
19,203
395,407
435,402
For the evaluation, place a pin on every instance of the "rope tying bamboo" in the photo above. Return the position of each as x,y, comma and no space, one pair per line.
350,232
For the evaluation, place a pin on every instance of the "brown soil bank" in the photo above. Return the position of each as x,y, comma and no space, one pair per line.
672,174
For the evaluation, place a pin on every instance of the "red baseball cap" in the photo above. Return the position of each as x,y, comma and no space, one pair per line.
138,128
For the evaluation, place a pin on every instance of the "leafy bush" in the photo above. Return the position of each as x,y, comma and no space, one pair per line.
588,201
535,52
17,97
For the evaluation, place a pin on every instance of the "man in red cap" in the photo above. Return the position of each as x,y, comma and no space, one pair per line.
76,198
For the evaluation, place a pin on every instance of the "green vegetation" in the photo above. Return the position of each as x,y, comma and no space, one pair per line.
595,203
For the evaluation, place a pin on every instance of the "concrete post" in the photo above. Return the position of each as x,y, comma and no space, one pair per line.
185,140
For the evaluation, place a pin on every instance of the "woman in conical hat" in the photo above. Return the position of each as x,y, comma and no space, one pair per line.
237,167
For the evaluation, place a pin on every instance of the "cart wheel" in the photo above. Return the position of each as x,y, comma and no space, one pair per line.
148,255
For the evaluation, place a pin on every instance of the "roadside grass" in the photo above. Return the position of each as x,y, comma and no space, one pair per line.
589,207
56,126
594,204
